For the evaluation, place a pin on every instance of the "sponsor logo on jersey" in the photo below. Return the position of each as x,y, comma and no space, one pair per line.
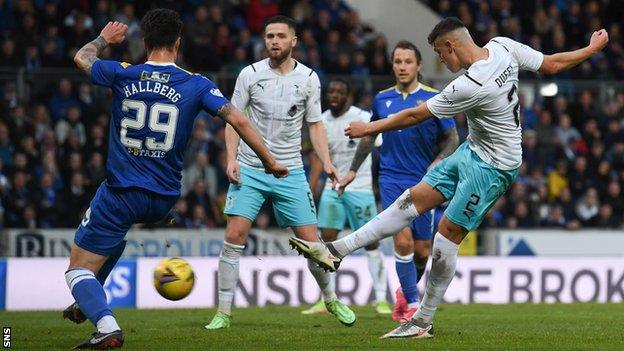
155,76
216,92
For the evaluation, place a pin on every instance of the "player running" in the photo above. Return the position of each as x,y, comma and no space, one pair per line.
406,155
357,203
478,173
153,110
277,93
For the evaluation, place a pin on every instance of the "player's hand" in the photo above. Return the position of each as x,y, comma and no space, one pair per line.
598,40
114,32
357,130
233,172
332,173
277,169
346,180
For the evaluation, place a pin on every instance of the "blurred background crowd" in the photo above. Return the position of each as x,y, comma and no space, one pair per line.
53,142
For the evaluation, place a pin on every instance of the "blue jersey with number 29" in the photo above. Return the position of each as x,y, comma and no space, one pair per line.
153,112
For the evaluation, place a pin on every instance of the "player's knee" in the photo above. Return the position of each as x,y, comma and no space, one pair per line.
451,231
234,235
403,246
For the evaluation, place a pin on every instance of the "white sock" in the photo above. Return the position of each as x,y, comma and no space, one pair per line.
389,222
323,279
107,324
444,255
228,275
377,270
331,287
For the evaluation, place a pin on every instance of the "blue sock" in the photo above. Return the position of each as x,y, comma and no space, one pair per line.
89,293
406,270
110,263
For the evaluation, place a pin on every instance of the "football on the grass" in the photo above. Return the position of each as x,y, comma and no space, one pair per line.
174,278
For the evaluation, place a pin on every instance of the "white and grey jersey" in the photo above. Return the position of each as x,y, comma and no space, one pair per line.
342,148
487,94
277,105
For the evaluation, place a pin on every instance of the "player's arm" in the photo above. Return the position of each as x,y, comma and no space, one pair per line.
112,33
364,148
563,61
248,133
318,138
240,99
401,120
232,140
450,142
316,168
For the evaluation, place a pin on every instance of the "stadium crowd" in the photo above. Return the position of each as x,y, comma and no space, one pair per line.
53,146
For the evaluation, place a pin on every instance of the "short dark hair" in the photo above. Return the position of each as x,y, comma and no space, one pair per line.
446,25
341,80
161,28
282,19
408,45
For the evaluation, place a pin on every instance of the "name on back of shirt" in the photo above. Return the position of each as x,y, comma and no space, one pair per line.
152,87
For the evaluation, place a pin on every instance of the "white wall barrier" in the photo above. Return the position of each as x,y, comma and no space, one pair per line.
39,284
555,242
155,243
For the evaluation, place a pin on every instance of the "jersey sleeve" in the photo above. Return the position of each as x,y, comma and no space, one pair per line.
460,95
211,97
103,72
313,102
240,97
528,58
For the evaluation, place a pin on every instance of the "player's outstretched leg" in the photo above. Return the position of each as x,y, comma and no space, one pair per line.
441,275
227,278
73,312
385,224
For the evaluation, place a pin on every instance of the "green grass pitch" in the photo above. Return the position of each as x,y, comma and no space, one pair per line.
458,327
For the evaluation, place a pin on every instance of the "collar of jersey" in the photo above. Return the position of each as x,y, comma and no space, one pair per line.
410,93
154,63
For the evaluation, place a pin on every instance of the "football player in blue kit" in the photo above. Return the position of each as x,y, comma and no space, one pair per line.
154,106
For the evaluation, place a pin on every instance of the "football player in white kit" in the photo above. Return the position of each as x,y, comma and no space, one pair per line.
478,173
356,204
277,94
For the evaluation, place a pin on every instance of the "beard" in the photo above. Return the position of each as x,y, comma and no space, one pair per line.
280,56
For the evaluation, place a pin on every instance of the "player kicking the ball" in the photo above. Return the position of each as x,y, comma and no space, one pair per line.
477,174
357,203
153,110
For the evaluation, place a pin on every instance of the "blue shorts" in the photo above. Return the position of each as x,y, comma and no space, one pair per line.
113,211
291,196
471,185
358,207
422,227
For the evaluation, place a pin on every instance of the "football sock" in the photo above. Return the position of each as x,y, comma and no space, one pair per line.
91,298
389,222
323,280
228,275
406,271
110,262
444,255
332,283
377,270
